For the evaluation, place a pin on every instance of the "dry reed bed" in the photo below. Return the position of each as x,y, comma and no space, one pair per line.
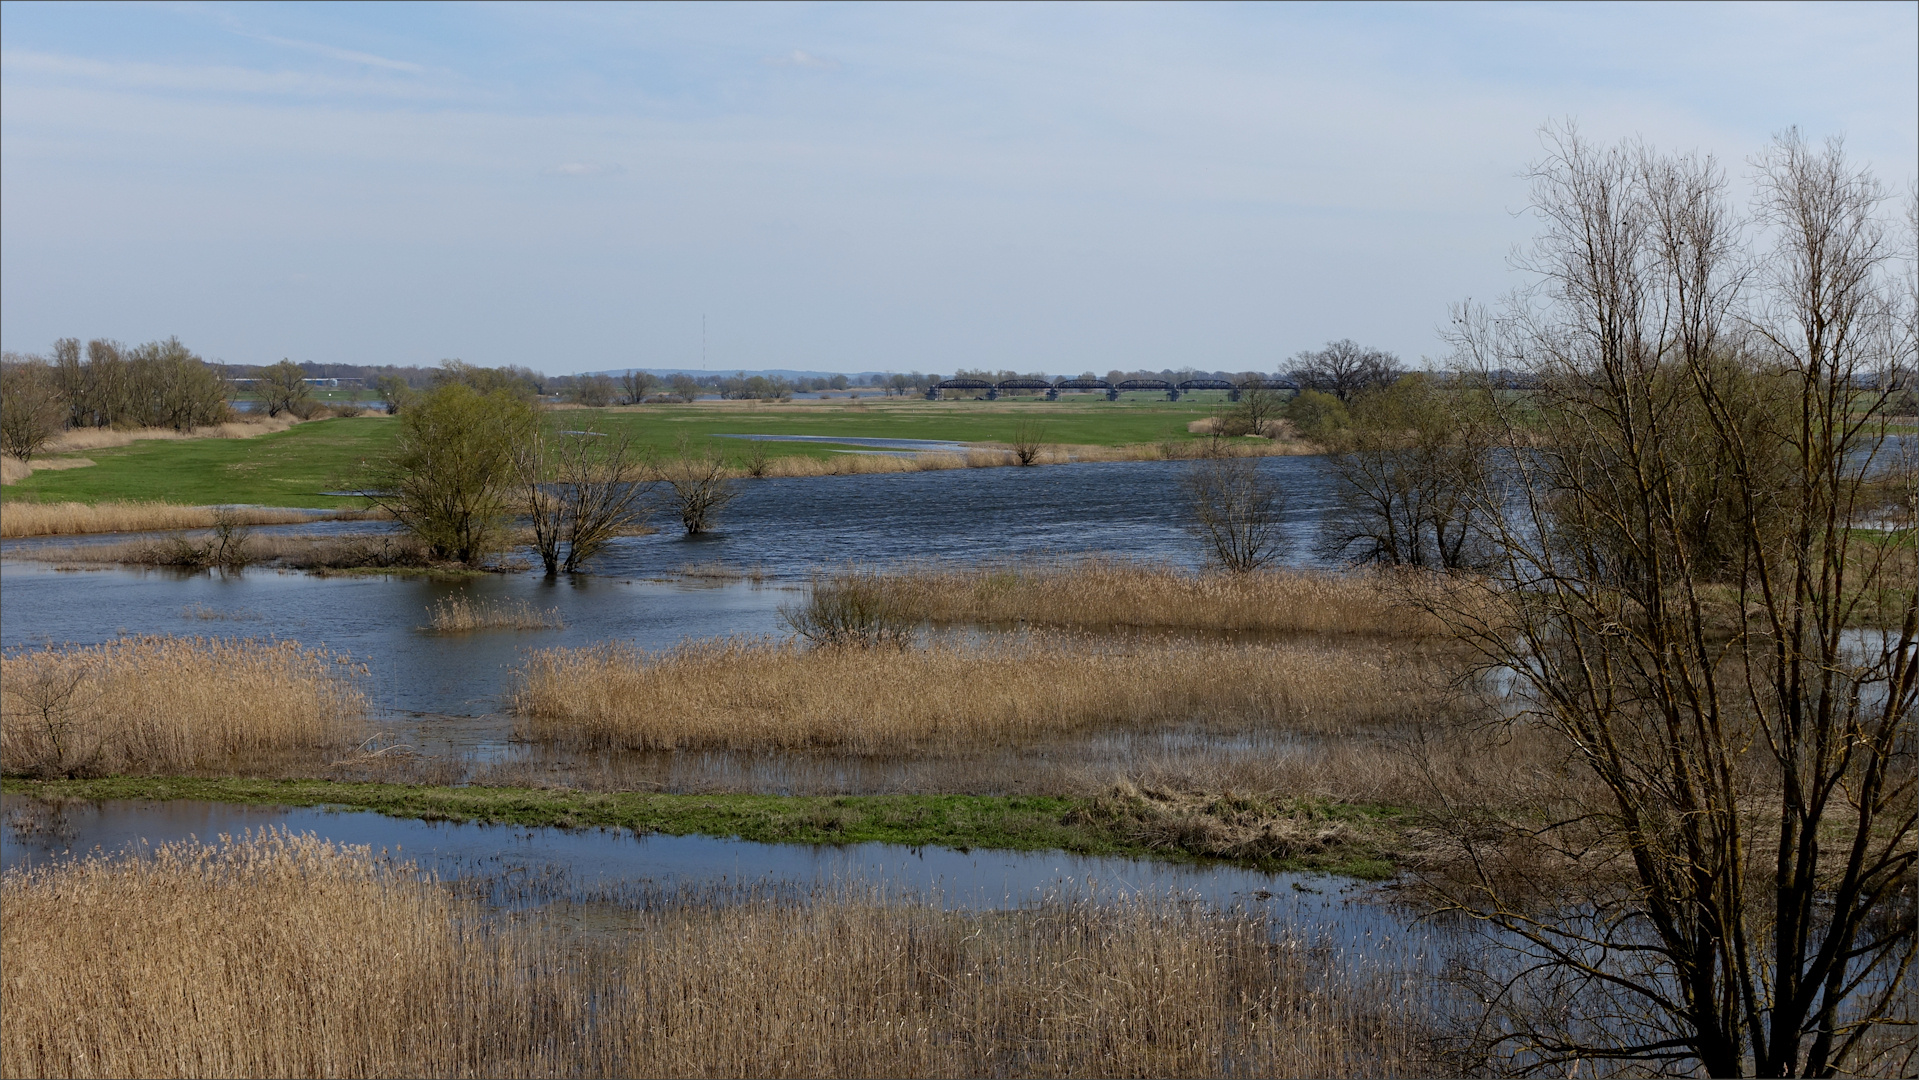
1093,593
989,457
759,694
384,550
283,955
19,519
171,704
460,614
76,440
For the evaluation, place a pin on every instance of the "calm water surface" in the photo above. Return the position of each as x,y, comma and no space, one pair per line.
782,529
577,864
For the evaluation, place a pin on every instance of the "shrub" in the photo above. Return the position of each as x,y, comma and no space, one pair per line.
450,478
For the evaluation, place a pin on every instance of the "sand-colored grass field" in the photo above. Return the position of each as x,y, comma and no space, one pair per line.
760,694
24,519
286,956
164,704
1102,593
988,457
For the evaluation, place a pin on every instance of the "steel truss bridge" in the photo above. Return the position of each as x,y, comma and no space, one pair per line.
1054,387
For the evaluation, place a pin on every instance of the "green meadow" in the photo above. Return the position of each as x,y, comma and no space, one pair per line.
294,467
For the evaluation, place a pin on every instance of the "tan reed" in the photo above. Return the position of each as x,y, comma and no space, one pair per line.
19,519
282,955
164,704
1101,593
739,693
460,614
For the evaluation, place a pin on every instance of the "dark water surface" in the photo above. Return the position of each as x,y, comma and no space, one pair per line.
579,863
780,529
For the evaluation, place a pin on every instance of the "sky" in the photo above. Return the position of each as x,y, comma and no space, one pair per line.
851,187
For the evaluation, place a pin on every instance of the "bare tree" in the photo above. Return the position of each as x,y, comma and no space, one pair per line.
57,728
582,490
1726,881
700,485
1235,512
685,386
1029,439
31,412
594,391
1259,404
283,388
1409,479
850,609
634,386
1344,368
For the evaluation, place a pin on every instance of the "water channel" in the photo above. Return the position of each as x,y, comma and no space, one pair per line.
443,692
779,530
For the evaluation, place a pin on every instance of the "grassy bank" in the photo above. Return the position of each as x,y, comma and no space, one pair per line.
285,955
292,467
284,468
1305,834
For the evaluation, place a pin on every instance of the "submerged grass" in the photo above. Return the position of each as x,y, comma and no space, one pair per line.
1271,833
171,704
286,955
760,694
461,614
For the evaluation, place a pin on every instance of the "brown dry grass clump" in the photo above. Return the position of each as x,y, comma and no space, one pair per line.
992,457
1096,593
19,519
383,551
284,955
166,704
76,440
460,614
759,694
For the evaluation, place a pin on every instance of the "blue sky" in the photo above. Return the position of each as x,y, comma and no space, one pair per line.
1050,188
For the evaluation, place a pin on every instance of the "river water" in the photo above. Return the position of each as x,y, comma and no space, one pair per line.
779,530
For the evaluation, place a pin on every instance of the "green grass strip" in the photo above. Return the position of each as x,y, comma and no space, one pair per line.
960,822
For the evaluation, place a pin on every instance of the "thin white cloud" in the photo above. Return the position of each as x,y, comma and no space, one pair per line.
349,56
137,76
582,168
803,59
345,55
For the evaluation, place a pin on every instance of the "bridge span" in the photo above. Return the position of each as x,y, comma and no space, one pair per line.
1113,390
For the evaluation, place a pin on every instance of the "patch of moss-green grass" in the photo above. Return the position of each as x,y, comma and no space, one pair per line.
961,822
286,468
293,467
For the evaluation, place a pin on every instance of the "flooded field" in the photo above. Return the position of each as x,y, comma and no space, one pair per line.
577,865
441,696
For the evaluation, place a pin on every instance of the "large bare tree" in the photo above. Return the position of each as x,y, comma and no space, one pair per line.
1409,476
1720,878
1235,512
1344,368
583,489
